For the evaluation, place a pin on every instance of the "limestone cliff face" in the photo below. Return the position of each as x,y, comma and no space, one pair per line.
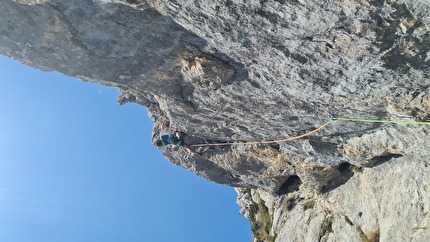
234,70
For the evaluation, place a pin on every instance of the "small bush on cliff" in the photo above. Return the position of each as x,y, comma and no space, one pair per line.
326,227
287,203
261,222
372,237
348,220
309,204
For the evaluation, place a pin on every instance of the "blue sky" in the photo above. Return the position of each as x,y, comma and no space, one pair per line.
75,166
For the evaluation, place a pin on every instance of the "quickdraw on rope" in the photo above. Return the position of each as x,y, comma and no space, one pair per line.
332,119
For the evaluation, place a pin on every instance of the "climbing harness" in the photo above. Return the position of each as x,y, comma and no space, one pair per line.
332,119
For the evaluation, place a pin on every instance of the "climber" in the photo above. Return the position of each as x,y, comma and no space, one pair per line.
175,138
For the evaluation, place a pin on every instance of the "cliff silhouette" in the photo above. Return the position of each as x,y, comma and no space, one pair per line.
239,74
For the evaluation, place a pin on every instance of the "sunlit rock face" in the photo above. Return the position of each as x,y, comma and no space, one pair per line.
252,71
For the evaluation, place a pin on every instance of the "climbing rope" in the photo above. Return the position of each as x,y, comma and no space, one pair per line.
333,118
380,121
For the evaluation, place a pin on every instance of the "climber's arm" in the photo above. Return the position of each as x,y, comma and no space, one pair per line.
164,125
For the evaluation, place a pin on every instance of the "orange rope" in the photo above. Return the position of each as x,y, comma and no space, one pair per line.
267,142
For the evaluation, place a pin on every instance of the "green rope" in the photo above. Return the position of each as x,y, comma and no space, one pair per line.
333,118
380,121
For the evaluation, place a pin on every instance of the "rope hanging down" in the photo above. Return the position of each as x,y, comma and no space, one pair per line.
333,118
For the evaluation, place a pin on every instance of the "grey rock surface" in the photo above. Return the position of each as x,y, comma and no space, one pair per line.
385,203
240,71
